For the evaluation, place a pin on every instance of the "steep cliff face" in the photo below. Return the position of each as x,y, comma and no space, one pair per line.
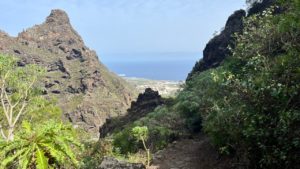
86,90
216,49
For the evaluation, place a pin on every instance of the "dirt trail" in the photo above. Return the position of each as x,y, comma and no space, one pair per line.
189,154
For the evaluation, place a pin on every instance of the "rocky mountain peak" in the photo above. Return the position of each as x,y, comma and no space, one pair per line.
58,16
87,91
57,27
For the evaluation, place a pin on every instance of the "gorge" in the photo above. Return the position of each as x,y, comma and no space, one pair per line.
239,107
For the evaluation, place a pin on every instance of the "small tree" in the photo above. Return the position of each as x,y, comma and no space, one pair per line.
142,134
19,94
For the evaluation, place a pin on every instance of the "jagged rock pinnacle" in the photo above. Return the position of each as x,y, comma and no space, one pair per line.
58,16
74,75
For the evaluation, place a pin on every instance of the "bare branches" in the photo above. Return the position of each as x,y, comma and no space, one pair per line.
16,85
19,113
2,133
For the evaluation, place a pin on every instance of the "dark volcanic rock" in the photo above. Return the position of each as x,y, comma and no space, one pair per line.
17,51
258,7
112,163
146,103
75,54
216,49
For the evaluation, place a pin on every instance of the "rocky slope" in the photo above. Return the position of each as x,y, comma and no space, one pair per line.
216,49
86,90
145,103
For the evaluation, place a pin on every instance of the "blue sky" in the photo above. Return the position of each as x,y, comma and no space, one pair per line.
116,27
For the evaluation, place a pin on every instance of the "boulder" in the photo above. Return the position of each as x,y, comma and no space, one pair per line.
112,163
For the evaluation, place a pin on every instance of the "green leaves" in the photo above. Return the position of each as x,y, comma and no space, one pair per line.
20,96
250,105
41,160
140,133
40,144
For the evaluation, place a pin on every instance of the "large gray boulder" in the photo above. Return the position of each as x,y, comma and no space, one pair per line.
112,163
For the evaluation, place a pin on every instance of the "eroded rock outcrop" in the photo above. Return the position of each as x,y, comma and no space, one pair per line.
146,103
86,90
216,49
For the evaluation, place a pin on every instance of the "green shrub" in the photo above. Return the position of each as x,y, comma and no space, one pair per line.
47,145
94,153
124,143
142,134
250,106
164,126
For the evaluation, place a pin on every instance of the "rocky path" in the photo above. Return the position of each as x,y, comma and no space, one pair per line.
189,154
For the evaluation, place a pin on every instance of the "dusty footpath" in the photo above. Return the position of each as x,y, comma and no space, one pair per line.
190,154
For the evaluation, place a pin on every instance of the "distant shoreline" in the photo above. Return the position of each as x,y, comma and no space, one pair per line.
157,67
142,78
166,88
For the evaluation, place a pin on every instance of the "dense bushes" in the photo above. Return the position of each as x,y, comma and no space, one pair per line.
164,126
251,105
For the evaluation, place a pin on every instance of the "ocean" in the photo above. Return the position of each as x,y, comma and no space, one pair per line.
162,67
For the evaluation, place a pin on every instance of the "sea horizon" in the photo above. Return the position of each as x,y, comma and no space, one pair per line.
161,66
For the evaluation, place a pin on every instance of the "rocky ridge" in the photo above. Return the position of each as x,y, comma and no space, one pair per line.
86,90
217,49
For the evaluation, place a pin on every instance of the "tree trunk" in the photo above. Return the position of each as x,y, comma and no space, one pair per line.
148,157
10,136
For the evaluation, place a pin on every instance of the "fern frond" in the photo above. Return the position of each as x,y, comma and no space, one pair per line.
25,159
41,159
65,148
54,152
10,159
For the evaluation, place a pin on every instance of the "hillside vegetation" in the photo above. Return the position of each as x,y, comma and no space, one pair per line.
249,105
244,110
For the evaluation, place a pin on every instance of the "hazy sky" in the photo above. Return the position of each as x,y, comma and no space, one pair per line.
128,26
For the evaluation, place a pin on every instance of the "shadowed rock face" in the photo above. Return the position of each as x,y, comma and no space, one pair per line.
146,103
216,49
86,90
